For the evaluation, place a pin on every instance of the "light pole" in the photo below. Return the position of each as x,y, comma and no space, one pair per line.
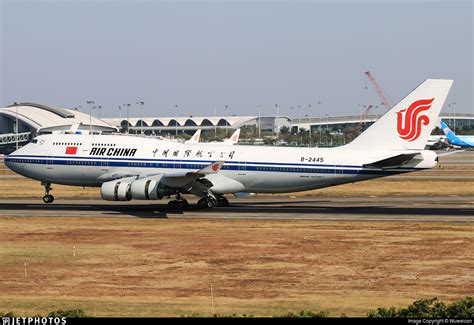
259,123
128,122
292,119
309,112
327,123
99,108
141,103
215,124
90,103
299,117
16,124
176,118
319,128
277,119
454,117
226,123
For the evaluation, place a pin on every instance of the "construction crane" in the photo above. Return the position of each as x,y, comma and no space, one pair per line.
379,91
364,115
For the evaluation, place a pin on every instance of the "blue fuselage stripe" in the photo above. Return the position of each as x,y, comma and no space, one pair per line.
196,165
207,162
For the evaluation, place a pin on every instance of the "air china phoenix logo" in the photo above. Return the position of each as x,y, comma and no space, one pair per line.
409,120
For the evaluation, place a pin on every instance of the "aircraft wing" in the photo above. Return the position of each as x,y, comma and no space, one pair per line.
184,179
180,178
392,162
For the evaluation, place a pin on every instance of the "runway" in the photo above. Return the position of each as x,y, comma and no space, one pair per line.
421,209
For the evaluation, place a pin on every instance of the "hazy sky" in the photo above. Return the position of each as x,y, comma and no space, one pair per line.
205,54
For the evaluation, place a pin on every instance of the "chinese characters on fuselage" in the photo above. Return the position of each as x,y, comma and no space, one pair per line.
189,153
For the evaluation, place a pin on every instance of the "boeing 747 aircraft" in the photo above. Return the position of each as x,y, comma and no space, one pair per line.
463,141
130,167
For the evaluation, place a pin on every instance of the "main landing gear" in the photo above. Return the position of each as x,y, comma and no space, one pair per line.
210,202
47,198
179,204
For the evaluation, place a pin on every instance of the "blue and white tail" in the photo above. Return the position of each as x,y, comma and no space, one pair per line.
408,125
447,132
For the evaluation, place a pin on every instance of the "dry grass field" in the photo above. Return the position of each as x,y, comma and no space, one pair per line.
166,267
156,267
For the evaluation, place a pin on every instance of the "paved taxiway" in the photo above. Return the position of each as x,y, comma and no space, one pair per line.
420,209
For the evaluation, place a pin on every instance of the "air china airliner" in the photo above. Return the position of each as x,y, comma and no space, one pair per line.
128,167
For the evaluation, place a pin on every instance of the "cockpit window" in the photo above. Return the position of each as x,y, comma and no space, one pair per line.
35,141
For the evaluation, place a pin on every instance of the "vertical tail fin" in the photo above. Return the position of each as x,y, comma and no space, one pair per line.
446,130
408,124
195,138
450,136
234,138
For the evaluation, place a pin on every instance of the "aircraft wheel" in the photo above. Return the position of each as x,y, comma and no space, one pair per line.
183,204
201,203
222,201
48,198
173,205
210,203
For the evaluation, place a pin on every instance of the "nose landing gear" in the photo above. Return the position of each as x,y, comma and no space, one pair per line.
47,198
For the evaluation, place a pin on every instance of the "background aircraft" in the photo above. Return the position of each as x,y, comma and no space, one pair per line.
463,141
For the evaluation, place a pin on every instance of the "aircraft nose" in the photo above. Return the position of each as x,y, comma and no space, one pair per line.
7,161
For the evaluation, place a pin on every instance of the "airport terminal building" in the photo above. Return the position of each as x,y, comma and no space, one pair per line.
27,120
156,125
33,119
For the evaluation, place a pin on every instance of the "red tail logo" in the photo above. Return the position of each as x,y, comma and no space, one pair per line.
409,120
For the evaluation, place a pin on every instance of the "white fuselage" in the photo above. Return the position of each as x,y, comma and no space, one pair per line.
89,160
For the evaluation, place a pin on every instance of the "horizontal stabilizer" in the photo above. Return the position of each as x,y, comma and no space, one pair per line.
391,162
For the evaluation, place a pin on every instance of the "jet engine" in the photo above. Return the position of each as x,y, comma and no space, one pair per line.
125,189
118,190
150,188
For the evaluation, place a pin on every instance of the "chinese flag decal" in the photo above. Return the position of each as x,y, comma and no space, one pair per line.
71,150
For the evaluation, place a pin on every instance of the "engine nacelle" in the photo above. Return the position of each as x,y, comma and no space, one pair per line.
118,190
145,189
150,188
